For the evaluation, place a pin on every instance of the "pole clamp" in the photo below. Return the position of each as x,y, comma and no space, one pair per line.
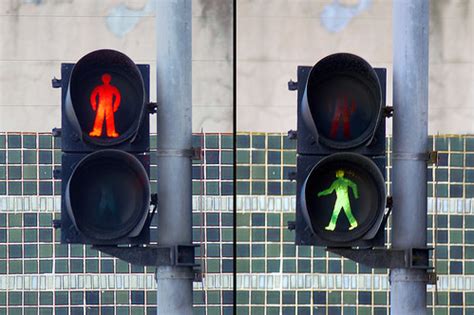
194,153
431,157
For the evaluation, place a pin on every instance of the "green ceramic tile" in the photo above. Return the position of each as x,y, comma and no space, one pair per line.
258,250
243,141
258,141
243,157
274,142
14,156
274,172
15,236
334,297
457,143
258,156
31,266
289,144
243,234
61,265
289,265
92,266
198,140
57,157
29,172
14,141
76,250
213,265
257,297
212,141
212,188
15,267
441,144
30,188
30,298
289,188
226,142
273,250
243,172
227,235
197,188
469,143
57,144
258,265
14,172
274,157
242,297
289,157
15,220
3,267
30,235
212,172
227,157
258,188
456,159
469,191
29,157
45,142
243,188
45,266
258,172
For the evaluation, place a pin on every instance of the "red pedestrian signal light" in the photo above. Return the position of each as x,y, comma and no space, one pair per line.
341,153
105,98
105,101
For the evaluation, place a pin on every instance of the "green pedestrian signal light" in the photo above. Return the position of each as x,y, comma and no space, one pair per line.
341,195
341,186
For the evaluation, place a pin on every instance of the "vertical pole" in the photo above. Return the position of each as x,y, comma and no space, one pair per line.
173,77
410,144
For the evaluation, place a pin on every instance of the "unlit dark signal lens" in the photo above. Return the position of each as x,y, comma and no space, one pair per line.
108,194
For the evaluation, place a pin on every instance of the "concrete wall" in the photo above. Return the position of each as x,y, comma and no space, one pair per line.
274,36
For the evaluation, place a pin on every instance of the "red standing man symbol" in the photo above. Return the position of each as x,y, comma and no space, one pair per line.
342,114
105,101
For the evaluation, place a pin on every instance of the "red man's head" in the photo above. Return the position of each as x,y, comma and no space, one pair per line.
106,78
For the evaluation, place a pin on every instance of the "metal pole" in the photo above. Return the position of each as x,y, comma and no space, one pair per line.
173,77
410,145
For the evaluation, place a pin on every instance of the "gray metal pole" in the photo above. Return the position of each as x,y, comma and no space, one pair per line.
173,77
410,144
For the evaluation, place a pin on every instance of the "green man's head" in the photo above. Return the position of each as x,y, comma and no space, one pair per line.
339,173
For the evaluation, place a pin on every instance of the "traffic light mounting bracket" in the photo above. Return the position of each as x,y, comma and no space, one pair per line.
174,255
411,258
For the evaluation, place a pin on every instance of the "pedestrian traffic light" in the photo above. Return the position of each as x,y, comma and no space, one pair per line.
105,150
341,153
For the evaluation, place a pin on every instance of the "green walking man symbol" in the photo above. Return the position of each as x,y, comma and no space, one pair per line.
341,186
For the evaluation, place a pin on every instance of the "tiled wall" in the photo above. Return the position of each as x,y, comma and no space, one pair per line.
38,275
